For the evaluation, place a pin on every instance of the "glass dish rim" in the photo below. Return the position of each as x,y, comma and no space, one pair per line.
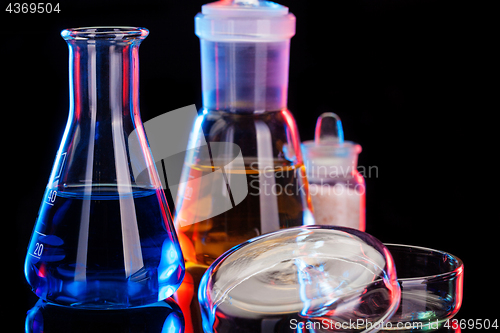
454,272
105,33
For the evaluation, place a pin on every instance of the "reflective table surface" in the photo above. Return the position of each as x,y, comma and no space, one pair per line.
161,317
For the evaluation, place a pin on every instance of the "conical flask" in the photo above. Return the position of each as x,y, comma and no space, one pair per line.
243,175
104,236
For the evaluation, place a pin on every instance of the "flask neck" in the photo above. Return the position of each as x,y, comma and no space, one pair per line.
104,79
104,142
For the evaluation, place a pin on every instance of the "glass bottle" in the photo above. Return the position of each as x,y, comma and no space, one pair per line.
336,187
104,236
243,174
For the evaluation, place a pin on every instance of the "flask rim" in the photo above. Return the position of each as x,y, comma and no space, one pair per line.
105,33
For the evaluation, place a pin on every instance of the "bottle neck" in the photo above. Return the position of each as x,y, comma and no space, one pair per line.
104,79
245,77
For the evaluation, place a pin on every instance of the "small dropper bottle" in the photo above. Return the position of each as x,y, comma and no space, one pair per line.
336,187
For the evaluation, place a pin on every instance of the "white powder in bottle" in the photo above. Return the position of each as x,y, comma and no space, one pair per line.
338,205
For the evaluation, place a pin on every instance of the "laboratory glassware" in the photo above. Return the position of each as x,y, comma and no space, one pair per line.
431,287
308,278
104,236
336,187
243,174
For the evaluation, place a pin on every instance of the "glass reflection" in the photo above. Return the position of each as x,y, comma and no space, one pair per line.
161,317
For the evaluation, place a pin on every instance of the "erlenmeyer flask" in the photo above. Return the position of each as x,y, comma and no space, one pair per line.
104,235
243,175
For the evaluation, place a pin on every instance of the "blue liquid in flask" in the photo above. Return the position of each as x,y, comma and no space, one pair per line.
104,236
65,260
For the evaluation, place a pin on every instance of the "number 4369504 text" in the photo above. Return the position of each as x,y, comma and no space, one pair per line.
32,8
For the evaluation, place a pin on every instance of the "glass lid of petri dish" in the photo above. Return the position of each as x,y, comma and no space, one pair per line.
310,276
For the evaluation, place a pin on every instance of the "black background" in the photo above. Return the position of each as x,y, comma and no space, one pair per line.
407,77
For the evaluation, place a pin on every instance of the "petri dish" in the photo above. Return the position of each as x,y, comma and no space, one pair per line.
431,288
328,278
